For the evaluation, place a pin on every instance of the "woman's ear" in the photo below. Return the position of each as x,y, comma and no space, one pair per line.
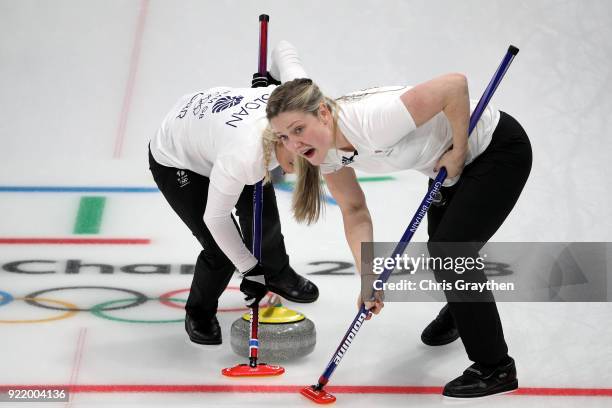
324,113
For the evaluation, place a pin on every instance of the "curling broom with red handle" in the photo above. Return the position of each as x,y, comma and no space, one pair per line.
253,368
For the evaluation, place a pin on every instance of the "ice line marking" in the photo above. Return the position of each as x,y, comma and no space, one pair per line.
340,389
76,189
74,241
129,88
89,215
283,186
76,364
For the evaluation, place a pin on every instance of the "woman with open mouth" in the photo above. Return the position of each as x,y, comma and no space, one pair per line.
425,128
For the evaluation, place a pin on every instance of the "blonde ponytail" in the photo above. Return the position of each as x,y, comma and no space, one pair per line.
269,142
307,200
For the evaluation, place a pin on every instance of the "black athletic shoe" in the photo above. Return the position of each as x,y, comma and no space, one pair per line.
441,330
291,286
479,381
203,331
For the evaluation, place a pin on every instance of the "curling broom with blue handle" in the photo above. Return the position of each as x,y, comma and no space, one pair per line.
316,392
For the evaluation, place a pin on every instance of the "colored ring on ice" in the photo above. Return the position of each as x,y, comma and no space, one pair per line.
165,300
69,308
101,309
139,298
6,298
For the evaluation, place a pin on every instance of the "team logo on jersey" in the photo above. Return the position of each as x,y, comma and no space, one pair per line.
348,160
183,178
226,102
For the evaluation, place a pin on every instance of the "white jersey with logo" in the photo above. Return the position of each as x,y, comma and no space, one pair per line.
386,139
218,133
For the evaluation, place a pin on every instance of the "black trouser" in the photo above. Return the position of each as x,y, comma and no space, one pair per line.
187,193
476,206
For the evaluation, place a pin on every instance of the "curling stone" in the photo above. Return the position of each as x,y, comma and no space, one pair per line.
284,334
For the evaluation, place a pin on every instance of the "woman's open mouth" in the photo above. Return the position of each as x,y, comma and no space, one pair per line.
309,153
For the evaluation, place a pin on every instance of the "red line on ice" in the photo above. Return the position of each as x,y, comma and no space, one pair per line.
129,88
340,389
76,364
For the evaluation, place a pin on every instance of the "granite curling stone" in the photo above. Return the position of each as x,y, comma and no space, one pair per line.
284,334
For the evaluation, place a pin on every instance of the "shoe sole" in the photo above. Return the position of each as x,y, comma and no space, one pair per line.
441,342
292,299
202,346
501,390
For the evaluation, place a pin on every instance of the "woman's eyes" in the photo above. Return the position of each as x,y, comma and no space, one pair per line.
296,131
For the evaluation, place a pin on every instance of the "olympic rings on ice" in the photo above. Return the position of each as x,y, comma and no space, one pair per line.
99,310
69,311
102,310
139,299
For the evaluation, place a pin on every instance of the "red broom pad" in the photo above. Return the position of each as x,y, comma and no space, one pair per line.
319,396
245,370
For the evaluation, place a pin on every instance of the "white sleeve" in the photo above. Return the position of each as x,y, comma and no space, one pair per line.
217,218
385,122
228,175
286,63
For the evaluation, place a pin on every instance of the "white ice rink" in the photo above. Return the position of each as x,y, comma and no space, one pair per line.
85,83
